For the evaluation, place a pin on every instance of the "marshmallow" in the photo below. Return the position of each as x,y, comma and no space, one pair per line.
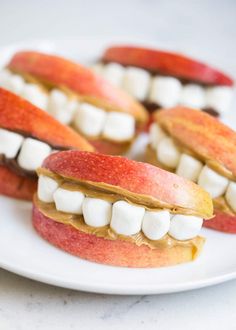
214,183
68,201
189,167
156,224
97,68
46,188
96,212
10,143
156,134
32,154
5,77
34,95
183,227
167,153
193,96
60,107
219,98
136,82
15,84
165,91
119,126
231,195
89,119
114,73
126,218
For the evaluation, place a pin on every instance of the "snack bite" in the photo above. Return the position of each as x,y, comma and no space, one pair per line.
108,117
27,136
198,147
116,211
161,79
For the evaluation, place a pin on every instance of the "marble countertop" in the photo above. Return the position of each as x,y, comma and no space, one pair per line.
207,28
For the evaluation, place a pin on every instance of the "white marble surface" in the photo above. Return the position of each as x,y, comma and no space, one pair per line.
203,28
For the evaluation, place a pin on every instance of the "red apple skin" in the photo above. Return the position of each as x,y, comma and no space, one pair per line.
109,252
201,133
222,222
135,177
60,72
167,63
16,186
17,114
21,116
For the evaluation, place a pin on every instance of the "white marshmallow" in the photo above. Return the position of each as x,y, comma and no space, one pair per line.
10,143
156,224
89,119
119,126
34,95
214,183
126,218
156,134
165,91
193,96
15,84
231,195
136,82
114,73
46,188
97,68
183,227
219,98
167,153
68,201
189,167
60,107
5,77
96,212
32,154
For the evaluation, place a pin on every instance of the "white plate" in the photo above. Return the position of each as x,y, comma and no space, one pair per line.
22,251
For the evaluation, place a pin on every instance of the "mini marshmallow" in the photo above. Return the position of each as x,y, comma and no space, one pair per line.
15,84
156,134
165,91
189,167
156,224
167,153
96,212
119,126
5,77
10,143
32,154
193,96
46,188
126,218
89,119
68,201
231,195
114,73
34,95
214,183
219,98
60,107
184,227
136,82
97,68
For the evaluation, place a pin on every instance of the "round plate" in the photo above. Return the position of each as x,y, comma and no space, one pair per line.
23,252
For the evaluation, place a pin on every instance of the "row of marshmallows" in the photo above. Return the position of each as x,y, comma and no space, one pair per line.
124,218
189,167
88,119
164,91
30,152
